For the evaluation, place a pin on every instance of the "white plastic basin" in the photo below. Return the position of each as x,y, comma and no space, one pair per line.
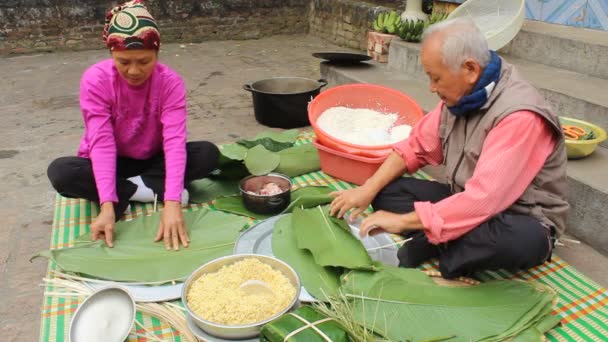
499,20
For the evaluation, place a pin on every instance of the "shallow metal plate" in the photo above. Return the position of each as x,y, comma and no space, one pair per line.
203,336
342,57
258,240
145,293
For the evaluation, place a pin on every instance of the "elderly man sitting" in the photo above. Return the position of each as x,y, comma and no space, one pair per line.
503,152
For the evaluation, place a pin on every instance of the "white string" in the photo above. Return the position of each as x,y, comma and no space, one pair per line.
390,245
307,326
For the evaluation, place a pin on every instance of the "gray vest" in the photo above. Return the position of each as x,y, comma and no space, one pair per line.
462,140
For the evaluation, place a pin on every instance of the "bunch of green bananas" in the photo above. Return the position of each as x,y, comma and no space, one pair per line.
387,22
411,31
437,17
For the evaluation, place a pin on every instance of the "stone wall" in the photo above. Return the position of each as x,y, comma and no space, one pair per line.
344,22
40,25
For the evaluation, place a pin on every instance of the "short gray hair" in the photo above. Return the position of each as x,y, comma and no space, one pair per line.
462,39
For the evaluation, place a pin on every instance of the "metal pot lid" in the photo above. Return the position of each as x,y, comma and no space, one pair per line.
286,85
342,57
107,315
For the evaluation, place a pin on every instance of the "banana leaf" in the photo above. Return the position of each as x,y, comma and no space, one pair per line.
329,240
233,151
288,136
307,197
260,161
299,160
230,170
207,189
136,258
405,305
234,205
277,330
319,281
268,143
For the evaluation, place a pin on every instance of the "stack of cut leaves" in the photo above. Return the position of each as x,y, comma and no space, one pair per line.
412,30
320,247
267,152
378,302
387,22
406,305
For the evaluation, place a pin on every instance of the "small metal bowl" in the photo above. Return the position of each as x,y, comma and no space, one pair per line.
263,204
245,331
89,322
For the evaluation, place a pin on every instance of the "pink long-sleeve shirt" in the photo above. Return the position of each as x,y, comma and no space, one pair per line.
134,122
513,153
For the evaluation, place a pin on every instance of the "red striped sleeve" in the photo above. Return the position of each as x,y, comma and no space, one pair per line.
512,155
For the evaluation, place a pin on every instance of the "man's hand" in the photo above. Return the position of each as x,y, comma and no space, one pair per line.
384,221
360,198
172,228
103,226
357,198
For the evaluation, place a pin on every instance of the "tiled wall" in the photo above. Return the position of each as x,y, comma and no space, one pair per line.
580,13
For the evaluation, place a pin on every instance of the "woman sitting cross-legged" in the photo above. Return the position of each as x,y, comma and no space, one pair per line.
134,144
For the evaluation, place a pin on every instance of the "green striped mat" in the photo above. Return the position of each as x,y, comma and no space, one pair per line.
582,303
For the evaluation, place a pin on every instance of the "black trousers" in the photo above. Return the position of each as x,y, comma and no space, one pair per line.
73,176
507,241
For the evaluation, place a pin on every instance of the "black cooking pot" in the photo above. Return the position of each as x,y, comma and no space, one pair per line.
283,101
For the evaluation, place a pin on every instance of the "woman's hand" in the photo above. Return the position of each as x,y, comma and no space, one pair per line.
103,226
384,221
172,228
357,198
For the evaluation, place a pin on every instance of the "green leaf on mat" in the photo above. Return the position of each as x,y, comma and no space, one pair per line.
234,205
233,170
308,197
491,311
260,161
299,160
288,136
319,281
136,258
233,151
207,189
268,143
329,240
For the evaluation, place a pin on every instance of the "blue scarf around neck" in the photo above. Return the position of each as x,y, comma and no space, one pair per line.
482,90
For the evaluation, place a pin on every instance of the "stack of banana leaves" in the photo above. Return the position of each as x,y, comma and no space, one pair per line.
266,152
373,302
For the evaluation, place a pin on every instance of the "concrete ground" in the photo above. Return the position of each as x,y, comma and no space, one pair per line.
41,121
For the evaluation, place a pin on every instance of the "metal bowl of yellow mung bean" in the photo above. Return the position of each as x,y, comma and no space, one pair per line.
216,301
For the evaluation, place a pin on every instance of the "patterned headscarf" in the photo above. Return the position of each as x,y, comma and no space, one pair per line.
130,26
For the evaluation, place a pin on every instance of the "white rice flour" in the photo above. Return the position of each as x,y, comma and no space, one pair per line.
362,126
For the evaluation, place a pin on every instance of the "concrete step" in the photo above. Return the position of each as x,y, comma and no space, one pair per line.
565,47
571,94
587,178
